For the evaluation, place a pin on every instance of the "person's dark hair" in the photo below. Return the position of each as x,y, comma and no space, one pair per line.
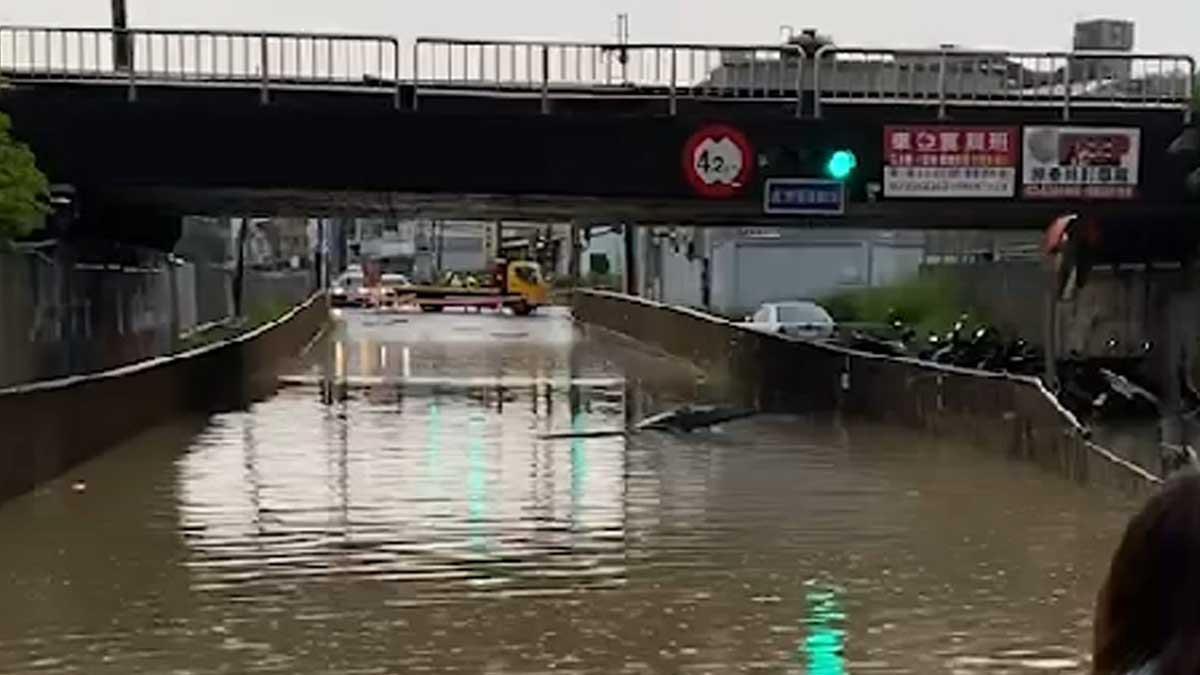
1149,608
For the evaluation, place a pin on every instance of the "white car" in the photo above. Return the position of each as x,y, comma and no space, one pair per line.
797,318
392,280
349,289
393,284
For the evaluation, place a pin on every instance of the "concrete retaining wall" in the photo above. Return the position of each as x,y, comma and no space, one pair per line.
48,427
61,314
277,289
1009,414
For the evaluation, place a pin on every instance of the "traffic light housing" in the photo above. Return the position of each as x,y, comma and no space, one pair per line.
841,164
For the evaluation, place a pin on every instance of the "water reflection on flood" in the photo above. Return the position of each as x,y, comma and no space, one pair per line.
394,510
825,642
428,468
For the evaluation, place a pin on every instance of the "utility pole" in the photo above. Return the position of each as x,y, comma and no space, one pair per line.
439,242
623,39
122,43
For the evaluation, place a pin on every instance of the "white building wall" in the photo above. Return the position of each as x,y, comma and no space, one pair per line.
681,280
610,244
747,271
894,263
747,268
754,272
455,260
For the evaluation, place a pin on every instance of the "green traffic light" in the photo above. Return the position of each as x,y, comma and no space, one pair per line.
841,164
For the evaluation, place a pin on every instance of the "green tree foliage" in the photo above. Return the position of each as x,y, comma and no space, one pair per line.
24,189
928,302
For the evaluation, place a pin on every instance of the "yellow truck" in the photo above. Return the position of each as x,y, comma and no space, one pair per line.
518,285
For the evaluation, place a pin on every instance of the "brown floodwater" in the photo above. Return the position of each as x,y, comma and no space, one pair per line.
394,509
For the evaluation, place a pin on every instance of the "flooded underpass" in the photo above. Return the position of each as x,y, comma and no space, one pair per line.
394,508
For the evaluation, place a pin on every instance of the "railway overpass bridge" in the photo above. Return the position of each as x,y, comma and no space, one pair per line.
148,125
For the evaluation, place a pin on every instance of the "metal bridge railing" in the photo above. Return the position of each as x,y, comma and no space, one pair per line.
549,70
781,74
140,56
953,77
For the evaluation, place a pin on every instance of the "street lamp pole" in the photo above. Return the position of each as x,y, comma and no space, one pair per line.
122,43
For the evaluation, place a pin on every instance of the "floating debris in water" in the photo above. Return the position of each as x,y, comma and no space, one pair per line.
595,433
686,420
689,418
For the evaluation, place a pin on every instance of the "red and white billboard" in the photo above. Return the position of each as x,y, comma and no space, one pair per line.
1081,162
957,162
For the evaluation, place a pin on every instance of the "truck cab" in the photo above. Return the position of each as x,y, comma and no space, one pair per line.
523,279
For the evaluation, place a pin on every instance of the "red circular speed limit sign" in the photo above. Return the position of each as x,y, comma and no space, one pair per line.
718,161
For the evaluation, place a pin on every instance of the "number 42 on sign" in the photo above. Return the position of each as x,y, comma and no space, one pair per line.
718,161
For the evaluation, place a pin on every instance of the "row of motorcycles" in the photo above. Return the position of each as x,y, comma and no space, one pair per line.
1100,388
981,348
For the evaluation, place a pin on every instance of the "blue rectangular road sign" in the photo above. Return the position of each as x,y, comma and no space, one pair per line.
804,196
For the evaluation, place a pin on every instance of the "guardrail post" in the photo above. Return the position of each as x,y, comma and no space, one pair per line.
128,44
674,77
396,72
265,95
545,79
416,80
800,84
827,49
942,86
1067,88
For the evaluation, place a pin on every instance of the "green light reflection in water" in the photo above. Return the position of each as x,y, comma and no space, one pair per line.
477,501
825,642
579,465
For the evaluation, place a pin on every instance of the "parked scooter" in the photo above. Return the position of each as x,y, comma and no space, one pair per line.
896,343
1089,388
983,349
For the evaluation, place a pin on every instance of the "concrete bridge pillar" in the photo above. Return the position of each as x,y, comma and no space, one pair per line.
631,259
573,254
1181,329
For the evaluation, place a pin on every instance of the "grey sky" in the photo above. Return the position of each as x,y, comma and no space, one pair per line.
1162,25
